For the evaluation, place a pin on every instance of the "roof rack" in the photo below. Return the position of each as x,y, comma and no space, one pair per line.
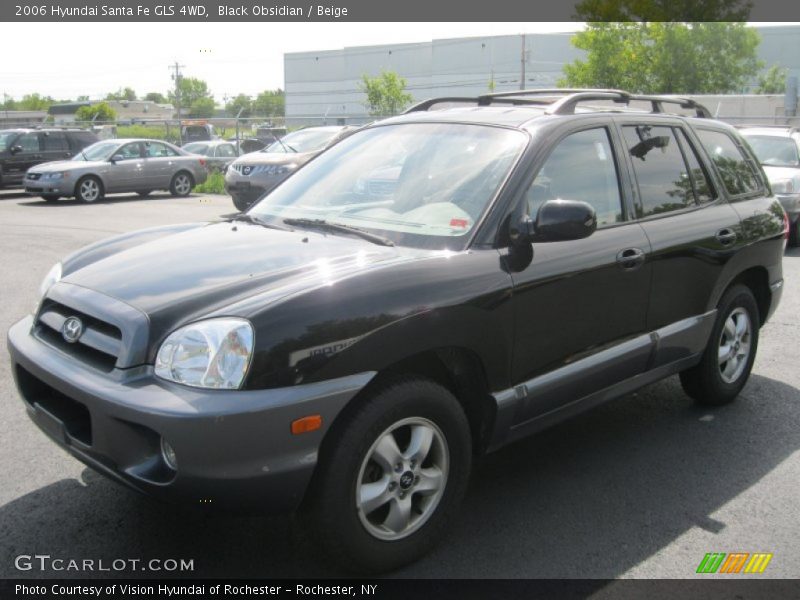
567,100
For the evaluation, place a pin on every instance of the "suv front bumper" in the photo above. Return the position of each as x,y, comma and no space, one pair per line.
234,449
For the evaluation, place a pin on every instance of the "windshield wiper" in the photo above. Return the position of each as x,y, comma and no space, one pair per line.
248,218
286,147
325,225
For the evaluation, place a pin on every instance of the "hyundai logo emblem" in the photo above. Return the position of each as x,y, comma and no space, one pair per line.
72,329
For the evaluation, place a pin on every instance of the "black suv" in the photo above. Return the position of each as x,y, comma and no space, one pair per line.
21,149
433,287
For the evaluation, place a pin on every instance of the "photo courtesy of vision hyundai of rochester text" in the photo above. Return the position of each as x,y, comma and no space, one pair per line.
427,289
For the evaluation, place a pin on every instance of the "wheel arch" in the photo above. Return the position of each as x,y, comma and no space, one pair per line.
457,369
757,280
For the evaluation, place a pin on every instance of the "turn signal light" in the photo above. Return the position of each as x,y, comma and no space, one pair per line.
306,424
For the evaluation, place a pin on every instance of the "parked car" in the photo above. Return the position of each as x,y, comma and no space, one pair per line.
197,131
778,151
21,149
349,358
251,176
111,166
218,153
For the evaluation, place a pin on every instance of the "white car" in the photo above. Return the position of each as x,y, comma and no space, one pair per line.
778,151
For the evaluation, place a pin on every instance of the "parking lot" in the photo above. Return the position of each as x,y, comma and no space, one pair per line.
644,486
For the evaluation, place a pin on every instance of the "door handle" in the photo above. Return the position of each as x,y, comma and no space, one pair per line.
726,236
630,258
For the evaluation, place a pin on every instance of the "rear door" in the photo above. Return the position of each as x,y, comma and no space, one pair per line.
692,229
159,165
55,146
581,299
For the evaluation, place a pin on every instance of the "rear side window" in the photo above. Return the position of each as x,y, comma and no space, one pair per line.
736,169
703,190
54,141
80,139
581,167
225,150
661,172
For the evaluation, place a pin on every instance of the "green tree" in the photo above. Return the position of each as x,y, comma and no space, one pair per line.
662,10
34,102
270,103
665,58
202,108
156,97
122,94
773,81
82,99
385,93
192,90
100,112
241,102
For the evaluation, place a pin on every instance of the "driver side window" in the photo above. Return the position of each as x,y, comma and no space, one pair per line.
580,167
129,151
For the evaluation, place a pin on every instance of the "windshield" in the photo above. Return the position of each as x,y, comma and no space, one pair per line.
305,140
423,185
98,151
774,151
6,137
198,148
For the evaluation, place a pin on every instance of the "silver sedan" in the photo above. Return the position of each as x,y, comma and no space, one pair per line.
110,166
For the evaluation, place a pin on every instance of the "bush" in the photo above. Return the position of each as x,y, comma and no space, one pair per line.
154,132
215,184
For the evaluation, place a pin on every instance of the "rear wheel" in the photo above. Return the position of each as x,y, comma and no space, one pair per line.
182,184
50,197
794,233
728,358
387,489
89,189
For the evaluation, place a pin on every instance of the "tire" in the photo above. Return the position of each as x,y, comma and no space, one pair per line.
794,233
143,193
89,189
181,184
240,204
715,382
50,197
417,501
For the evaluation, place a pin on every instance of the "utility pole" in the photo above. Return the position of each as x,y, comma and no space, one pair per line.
176,76
522,63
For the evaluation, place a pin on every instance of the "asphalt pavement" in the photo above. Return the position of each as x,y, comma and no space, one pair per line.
641,487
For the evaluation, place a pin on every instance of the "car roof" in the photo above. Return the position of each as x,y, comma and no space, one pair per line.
525,108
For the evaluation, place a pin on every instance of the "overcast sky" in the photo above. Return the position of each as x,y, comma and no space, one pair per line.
96,58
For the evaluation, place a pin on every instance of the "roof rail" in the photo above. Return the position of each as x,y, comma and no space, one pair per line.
568,101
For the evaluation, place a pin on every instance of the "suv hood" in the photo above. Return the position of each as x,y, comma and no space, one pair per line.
187,275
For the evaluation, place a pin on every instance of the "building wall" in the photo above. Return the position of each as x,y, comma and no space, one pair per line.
322,87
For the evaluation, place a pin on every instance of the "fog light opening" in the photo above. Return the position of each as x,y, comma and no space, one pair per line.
168,454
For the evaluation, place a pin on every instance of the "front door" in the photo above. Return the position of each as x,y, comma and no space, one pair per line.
583,299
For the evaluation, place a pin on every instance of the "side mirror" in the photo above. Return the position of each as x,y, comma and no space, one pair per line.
16,149
559,221
116,158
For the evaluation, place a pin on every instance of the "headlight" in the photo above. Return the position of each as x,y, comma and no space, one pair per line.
209,354
53,276
56,175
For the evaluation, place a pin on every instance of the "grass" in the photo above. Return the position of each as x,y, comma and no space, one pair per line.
215,184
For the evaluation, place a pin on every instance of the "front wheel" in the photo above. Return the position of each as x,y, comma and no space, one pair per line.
181,184
725,367
89,189
388,485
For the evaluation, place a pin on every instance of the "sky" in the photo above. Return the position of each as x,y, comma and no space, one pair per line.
232,58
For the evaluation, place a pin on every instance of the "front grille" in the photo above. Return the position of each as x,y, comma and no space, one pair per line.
99,345
33,176
74,415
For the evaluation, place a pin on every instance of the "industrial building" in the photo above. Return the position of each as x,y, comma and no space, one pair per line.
322,87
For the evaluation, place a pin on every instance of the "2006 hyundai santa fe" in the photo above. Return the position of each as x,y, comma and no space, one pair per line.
431,288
